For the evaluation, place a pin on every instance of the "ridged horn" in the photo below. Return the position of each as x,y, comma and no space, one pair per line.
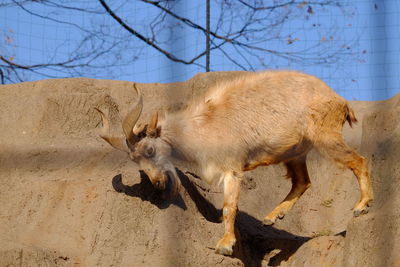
133,116
116,142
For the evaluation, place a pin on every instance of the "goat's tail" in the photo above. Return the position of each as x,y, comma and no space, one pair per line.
350,116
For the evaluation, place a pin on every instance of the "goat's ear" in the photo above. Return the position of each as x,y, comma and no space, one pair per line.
152,129
154,121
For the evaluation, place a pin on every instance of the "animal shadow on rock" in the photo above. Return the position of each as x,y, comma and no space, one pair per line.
254,240
146,192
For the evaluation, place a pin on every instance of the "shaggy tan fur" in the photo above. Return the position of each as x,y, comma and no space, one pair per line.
257,119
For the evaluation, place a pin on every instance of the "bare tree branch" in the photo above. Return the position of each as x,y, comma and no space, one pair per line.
27,67
246,33
48,18
13,4
62,6
148,40
233,41
289,3
2,76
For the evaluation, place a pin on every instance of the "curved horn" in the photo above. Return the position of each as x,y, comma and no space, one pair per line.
133,116
152,128
116,142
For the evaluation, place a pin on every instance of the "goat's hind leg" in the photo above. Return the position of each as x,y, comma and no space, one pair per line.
297,171
343,155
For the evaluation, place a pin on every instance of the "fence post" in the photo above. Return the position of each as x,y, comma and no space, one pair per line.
208,36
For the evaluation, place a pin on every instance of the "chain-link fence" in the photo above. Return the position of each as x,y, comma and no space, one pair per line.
353,46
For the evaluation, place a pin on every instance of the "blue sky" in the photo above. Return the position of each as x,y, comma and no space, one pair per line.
368,30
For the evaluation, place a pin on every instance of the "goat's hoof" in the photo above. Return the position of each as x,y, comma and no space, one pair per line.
225,246
268,221
358,212
224,251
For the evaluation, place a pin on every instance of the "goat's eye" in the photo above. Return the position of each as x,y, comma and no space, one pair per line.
149,152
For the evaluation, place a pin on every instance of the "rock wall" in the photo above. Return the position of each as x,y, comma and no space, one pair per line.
68,199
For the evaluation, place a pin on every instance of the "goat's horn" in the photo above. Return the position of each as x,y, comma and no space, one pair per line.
116,142
133,116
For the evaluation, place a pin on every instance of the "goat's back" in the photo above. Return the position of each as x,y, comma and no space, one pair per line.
273,98
272,110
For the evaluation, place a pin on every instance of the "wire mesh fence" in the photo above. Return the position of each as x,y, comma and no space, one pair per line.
353,46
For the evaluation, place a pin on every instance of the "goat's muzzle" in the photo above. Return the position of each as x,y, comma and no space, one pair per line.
172,185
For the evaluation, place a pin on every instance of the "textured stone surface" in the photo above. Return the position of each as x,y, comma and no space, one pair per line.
68,199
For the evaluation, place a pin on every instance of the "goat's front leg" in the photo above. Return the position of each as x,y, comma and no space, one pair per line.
231,197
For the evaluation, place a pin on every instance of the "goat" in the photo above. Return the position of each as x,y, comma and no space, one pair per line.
261,118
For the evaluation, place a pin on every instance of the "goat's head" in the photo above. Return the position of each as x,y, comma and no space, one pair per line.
145,147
